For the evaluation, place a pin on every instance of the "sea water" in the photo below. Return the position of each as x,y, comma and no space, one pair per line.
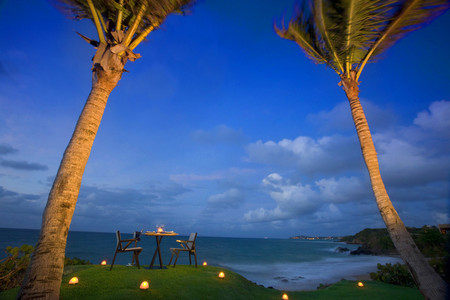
284,264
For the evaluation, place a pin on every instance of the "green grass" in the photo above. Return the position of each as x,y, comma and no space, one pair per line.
188,282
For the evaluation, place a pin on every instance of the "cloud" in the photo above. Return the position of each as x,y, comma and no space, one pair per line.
19,210
292,200
15,164
343,189
188,178
22,165
339,118
133,198
436,119
300,200
14,202
325,155
405,164
408,155
128,209
414,162
232,198
225,174
7,149
219,134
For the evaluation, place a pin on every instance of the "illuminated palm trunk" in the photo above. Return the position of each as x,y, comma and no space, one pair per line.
428,281
43,277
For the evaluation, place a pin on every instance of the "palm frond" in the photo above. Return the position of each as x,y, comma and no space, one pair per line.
302,30
154,14
327,29
347,34
406,16
358,27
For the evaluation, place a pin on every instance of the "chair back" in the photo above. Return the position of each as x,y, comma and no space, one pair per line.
191,241
119,244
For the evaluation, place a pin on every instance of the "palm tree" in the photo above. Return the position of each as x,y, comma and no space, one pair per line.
121,26
346,35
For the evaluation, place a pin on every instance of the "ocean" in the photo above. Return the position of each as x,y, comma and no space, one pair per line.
284,264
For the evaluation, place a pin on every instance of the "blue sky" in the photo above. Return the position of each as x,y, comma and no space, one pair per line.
221,127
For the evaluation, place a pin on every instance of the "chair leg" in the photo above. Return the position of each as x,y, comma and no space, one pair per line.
112,264
136,256
195,256
190,262
171,258
176,258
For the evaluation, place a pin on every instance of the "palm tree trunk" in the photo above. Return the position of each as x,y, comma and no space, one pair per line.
430,283
43,276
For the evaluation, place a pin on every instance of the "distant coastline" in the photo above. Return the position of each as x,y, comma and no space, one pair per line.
315,238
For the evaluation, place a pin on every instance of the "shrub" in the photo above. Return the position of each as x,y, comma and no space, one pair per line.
75,261
13,267
397,274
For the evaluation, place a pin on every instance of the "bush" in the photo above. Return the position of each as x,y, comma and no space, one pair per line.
75,261
397,274
13,267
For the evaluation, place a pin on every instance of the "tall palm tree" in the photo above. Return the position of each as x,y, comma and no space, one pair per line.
121,26
346,35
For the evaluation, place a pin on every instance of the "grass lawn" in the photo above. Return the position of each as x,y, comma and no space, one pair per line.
188,282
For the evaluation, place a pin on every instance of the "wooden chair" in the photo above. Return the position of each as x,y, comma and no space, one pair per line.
123,246
136,238
186,246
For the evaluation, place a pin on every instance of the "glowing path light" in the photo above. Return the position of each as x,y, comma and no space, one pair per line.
144,285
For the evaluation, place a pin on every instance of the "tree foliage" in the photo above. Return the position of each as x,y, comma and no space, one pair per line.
14,265
428,238
122,24
397,274
346,34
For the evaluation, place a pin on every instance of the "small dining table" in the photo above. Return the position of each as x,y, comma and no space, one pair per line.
159,236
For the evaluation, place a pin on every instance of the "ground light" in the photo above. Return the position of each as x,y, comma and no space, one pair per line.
360,284
144,285
103,263
285,297
221,275
205,263
73,280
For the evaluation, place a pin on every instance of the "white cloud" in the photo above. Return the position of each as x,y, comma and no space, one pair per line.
405,164
343,189
437,119
414,162
326,155
292,200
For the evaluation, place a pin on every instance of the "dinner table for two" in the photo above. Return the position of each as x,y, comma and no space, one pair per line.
159,236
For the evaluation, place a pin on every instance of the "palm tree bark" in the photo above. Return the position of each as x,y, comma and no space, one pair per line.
43,276
430,283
